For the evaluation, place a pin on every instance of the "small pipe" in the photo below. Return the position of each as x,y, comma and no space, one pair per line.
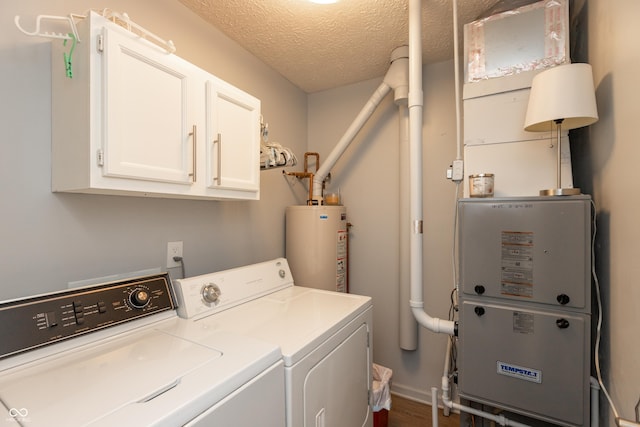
500,419
307,174
445,373
595,402
303,175
456,73
434,406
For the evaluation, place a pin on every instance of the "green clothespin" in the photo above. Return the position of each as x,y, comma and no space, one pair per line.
67,58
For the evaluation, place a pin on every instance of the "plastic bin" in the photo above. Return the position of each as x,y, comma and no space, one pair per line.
381,395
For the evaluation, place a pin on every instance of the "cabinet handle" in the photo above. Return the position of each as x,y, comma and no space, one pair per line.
562,323
194,143
218,177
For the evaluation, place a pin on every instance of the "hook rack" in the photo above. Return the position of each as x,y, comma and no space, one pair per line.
51,34
121,19
127,23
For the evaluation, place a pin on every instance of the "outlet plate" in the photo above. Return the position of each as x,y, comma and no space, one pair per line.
173,249
458,170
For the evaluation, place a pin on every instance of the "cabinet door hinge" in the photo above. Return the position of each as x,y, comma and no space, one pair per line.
100,158
100,43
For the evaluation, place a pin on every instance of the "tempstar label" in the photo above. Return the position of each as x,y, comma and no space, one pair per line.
522,373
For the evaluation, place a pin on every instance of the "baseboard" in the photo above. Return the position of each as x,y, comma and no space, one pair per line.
416,395
411,393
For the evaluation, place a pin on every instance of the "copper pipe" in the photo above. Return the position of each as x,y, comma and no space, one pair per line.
306,162
307,174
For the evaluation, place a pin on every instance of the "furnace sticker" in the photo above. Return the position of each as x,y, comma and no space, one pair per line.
517,264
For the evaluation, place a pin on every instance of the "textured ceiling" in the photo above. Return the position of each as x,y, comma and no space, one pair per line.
318,47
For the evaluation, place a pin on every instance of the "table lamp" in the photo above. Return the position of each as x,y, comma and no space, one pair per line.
563,95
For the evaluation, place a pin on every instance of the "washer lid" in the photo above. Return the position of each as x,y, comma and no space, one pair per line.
83,385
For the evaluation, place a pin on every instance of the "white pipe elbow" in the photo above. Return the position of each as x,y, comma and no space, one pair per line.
446,397
433,324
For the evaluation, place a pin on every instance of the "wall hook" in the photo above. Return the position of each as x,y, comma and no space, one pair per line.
51,34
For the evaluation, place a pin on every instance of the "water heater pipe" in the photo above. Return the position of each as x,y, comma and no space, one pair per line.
396,79
415,170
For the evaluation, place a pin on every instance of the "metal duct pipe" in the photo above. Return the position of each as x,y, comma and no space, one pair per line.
396,78
415,170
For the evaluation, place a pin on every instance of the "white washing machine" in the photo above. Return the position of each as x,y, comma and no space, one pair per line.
325,337
118,355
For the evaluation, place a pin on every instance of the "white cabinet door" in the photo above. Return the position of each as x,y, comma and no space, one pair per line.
132,121
149,131
233,132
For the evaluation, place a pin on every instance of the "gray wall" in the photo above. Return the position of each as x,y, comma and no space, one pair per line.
609,161
51,239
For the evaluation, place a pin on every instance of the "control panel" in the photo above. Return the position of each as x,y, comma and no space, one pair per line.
37,321
210,293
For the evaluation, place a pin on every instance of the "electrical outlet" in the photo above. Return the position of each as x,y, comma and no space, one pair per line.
173,249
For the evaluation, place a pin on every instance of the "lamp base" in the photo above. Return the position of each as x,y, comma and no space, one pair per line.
560,192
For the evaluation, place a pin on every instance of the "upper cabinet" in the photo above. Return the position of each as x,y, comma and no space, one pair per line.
232,160
150,120
136,120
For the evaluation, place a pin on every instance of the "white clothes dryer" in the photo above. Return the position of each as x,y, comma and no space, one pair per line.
117,354
325,337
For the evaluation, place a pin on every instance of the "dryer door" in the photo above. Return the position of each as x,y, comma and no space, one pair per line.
336,389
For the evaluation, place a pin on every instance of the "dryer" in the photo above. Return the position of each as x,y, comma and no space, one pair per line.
117,354
324,336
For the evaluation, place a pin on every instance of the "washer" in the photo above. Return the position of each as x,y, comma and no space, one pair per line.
118,355
324,336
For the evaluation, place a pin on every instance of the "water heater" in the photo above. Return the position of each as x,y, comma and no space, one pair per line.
316,246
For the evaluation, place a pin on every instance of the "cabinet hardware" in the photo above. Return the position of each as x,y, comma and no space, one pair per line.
100,44
218,177
194,142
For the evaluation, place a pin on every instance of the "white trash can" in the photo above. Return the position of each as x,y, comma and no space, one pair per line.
381,395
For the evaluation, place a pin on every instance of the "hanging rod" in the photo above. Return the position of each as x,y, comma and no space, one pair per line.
118,18
142,32
51,34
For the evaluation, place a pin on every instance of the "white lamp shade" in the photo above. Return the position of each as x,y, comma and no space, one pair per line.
563,92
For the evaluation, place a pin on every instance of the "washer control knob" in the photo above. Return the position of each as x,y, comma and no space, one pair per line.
139,298
282,273
211,293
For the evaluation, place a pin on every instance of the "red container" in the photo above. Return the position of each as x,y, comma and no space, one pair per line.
381,418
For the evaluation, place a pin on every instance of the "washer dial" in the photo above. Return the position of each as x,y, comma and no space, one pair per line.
211,293
139,298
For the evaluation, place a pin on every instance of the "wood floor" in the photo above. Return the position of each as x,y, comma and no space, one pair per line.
408,413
